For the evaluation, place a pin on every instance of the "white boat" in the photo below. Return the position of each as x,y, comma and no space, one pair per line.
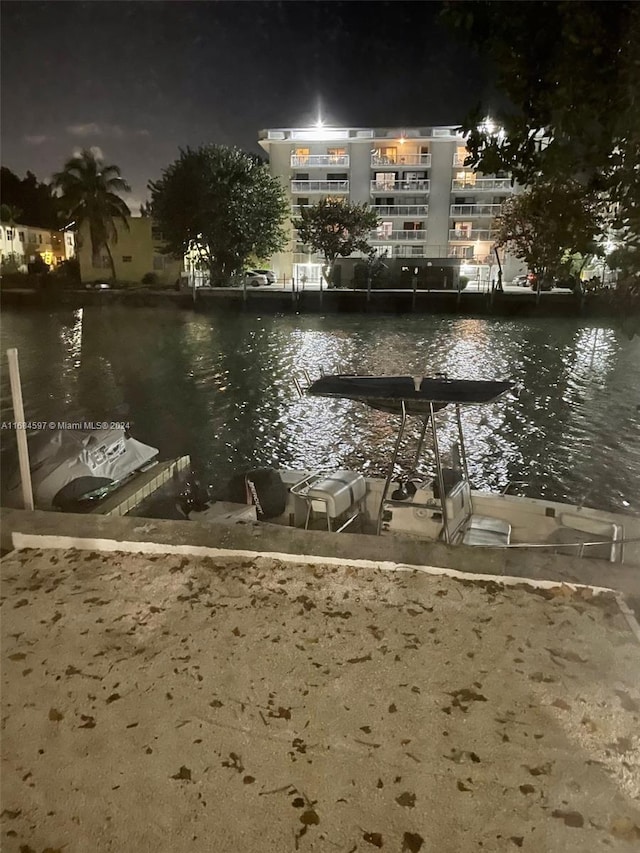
72,469
443,507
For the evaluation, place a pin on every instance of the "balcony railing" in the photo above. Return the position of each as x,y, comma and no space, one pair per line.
330,160
413,186
296,208
475,209
401,160
473,234
459,161
319,186
399,236
400,209
399,251
482,184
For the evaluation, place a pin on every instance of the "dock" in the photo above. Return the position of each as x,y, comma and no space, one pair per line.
142,486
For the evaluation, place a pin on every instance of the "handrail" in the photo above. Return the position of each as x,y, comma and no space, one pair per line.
561,544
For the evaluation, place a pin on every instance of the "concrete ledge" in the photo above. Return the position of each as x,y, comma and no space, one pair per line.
162,536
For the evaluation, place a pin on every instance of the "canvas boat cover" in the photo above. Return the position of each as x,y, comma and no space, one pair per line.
387,393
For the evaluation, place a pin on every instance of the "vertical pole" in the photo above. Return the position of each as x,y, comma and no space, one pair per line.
413,297
392,466
244,290
441,489
18,414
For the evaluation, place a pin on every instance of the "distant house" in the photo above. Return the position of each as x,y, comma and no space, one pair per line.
22,243
136,251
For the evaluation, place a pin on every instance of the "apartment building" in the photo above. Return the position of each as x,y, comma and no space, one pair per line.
432,210
136,251
19,245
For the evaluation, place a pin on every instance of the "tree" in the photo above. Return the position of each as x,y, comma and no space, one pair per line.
35,200
548,224
335,228
222,203
89,195
571,74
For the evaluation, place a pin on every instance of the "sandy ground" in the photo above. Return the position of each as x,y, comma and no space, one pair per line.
170,704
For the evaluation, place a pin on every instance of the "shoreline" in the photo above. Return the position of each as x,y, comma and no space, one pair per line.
340,300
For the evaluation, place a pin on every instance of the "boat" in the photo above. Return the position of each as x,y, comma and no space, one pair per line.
440,508
73,469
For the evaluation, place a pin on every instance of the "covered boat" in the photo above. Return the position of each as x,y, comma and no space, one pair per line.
70,468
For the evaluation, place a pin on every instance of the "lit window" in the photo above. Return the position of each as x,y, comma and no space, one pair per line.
384,230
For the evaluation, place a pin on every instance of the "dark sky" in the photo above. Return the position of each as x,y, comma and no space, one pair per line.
140,79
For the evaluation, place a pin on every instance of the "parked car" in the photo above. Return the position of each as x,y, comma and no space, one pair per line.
521,280
269,274
251,278
543,284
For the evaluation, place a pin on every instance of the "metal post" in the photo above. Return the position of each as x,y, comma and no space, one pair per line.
392,466
413,298
244,290
463,453
21,435
443,496
425,423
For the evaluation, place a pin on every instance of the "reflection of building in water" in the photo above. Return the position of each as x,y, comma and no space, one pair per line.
436,216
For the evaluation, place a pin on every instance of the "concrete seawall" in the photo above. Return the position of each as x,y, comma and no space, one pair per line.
278,300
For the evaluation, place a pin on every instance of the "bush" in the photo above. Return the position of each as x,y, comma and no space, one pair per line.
150,278
69,269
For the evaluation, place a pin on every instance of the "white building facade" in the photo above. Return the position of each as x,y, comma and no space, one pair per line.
430,206
20,244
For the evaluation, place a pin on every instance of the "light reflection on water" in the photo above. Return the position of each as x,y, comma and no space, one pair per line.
220,388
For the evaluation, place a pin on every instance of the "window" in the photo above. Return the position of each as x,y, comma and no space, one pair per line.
386,155
412,226
302,201
467,179
463,229
40,239
9,233
126,259
337,176
385,180
301,176
156,234
301,154
335,154
385,230
21,236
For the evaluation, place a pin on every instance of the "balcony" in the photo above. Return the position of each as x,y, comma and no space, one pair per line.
400,209
319,186
467,236
475,209
399,236
399,251
459,161
420,185
318,160
482,185
401,160
297,208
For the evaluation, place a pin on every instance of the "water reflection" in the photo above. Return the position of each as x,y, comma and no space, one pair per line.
220,388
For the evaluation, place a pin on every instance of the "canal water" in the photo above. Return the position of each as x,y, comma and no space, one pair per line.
220,388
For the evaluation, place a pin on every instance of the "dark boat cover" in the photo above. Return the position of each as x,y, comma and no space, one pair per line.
387,393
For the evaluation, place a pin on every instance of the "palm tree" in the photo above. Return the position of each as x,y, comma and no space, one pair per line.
89,194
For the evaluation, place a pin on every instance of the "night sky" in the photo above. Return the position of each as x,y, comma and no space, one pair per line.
141,79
